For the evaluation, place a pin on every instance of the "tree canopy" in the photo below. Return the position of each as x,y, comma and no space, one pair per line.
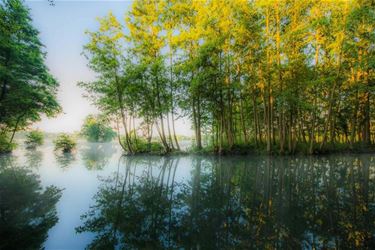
27,89
95,129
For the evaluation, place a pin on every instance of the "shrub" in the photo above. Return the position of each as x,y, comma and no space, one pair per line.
156,147
34,138
95,129
5,145
141,145
65,142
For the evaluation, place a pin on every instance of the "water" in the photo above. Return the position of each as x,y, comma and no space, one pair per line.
97,199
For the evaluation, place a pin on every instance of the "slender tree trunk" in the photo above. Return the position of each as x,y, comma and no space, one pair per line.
255,117
199,132
162,137
119,135
366,128
135,131
174,132
243,119
169,132
196,124
149,134
162,130
171,96
15,128
312,130
278,61
268,108
122,110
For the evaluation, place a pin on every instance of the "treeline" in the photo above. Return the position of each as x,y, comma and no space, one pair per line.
27,89
278,75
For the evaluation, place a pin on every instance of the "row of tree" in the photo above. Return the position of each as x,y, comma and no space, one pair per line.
27,89
276,74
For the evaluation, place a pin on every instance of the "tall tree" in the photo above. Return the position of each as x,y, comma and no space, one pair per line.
27,89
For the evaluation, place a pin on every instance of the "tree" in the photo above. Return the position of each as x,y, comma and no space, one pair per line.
106,56
34,138
65,142
27,88
281,75
95,129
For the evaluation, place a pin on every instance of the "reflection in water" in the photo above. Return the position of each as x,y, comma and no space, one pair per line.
27,211
265,203
96,155
7,160
64,159
130,214
34,157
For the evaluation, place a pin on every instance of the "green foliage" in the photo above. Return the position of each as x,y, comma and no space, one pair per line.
143,146
65,142
5,145
276,73
28,210
34,138
96,130
27,89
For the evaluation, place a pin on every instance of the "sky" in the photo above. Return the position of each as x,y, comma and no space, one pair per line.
62,29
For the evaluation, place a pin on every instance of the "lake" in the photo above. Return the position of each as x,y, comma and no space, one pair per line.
96,198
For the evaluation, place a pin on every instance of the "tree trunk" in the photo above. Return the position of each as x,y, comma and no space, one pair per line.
122,110
15,128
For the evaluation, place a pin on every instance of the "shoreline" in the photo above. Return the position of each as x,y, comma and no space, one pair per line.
250,151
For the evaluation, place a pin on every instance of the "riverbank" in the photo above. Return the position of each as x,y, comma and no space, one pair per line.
157,149
250,149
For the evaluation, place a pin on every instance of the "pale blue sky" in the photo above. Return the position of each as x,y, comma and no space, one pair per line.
62,30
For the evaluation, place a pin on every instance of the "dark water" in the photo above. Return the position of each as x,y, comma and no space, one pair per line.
99,200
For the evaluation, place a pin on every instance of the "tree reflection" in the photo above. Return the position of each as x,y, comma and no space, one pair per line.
134,211
96,155
34,158
265,203
64,159
27,211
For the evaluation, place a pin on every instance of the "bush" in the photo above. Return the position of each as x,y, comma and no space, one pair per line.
65,142
95,129
141,145
156,147
34,138
5,146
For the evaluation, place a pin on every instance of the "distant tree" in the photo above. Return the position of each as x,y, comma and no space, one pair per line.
27,89
96,130
65,142
34,138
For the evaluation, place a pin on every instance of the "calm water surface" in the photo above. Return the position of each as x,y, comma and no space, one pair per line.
97,199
